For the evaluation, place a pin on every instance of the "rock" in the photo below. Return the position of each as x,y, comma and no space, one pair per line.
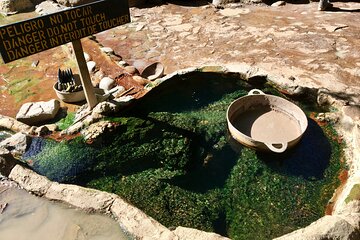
16,144
72,3
131,70
119,90
122,63
13,125
51,127
47,7
105,108
7,163
29,180
13,6
327,227
35,63
106,83
352,112
107,50
42,130
91,66
4,151
278,4
138,223
96,129
140,80
96,78
323,5
230,12
190,234
87,57
84,198
36,112
124,100
218,2
75,128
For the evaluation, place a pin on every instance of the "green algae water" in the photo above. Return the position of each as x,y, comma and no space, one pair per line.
171,156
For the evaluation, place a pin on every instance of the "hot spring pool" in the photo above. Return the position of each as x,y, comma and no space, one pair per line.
171,156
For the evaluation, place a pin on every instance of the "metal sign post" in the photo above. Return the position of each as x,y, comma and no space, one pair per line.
35,35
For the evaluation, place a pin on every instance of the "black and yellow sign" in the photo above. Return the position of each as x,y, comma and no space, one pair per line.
35,35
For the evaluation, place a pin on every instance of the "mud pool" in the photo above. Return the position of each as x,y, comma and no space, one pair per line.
171,156
39,219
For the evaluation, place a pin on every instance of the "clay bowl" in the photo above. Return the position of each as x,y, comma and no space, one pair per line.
266,122
69,97
153,71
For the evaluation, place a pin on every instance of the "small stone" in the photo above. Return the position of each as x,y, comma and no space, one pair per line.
131,70
278,4
139,27
321,117
42,130
140,80
106,83
51,127
324,4
87,57
91,66
107,50
118,90
122,63
35,63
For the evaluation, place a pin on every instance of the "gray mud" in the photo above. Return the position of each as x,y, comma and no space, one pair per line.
27,217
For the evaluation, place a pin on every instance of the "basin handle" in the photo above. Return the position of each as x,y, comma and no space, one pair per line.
255,92
276,148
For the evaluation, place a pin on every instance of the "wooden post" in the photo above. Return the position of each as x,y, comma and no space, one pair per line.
84,74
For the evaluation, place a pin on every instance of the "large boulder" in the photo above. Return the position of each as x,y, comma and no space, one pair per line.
13,6
33,113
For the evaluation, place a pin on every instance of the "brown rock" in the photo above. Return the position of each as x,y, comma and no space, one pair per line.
131,70
140,80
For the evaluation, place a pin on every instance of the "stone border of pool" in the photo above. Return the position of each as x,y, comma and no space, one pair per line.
343,223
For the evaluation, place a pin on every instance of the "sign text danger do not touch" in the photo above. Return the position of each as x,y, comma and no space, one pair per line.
35,35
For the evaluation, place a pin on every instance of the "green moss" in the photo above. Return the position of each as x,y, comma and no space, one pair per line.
63,161
66,122
354,194
152,191
21,88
